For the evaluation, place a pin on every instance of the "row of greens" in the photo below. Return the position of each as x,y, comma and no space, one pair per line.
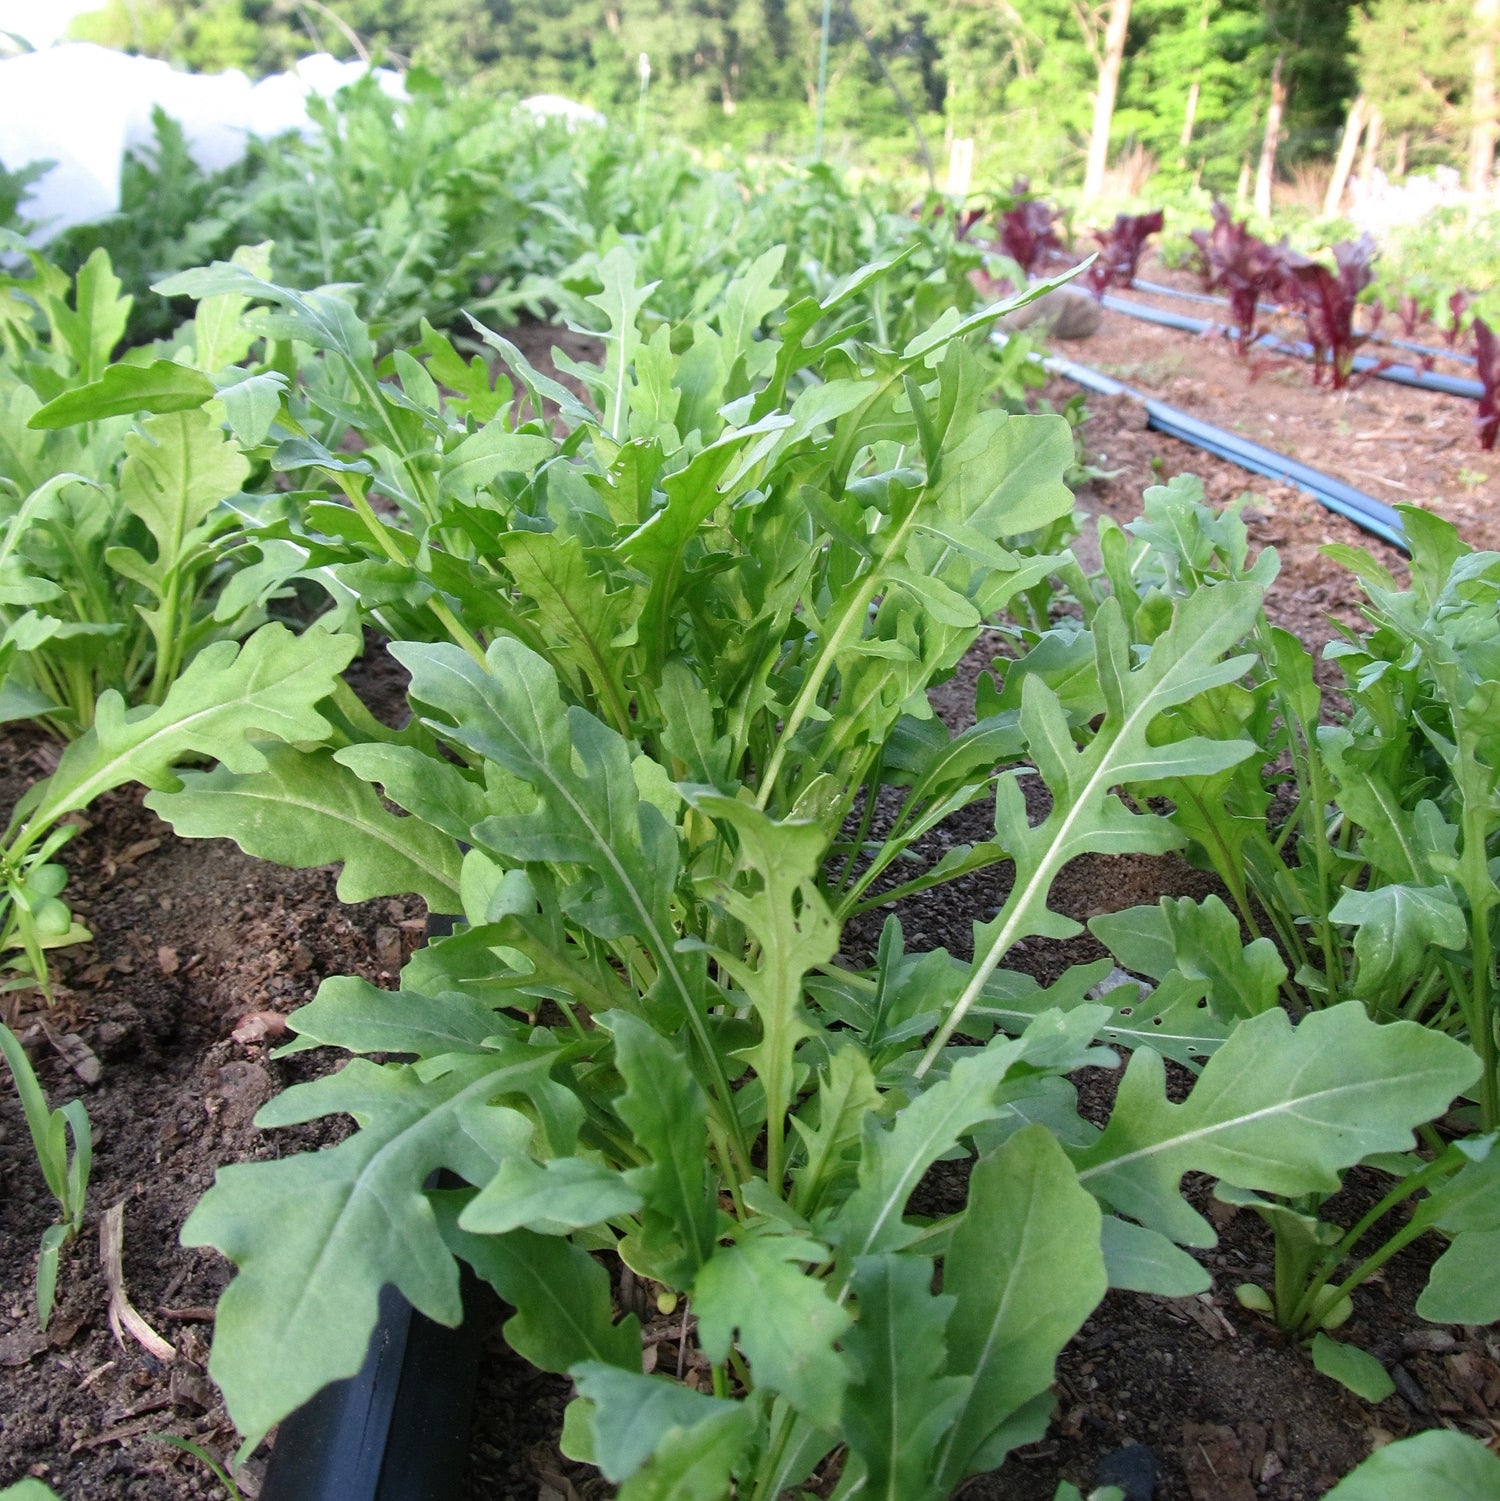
669,650
451,201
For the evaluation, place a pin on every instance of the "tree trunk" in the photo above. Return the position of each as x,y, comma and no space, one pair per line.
1190,117
1186,139
1104,99
1403,144
1344,162
1482,96
1371,156
1266,172
1242,189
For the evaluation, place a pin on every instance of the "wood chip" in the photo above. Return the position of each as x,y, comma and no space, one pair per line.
120,1434
1206,1314
1215,1463
122,1316
129,855
166,960
196,1315
259,1026
77,1054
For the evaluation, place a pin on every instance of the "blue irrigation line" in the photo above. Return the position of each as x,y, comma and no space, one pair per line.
1374,516
1432,351
1402,375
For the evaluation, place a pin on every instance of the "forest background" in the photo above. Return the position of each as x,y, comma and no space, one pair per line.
1182,89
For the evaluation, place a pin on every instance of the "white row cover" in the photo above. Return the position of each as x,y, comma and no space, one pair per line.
83,107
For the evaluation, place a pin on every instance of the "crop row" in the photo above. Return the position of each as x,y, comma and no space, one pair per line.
669,645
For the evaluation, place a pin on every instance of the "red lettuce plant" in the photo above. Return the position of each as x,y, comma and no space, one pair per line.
1327,300
1487,347
1028,232
1120,251
964,219
1241,266
1458,305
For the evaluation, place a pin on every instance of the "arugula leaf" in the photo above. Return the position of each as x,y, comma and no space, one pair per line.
1279,1109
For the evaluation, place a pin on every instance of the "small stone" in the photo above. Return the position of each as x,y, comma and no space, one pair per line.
21,1346
1134,1469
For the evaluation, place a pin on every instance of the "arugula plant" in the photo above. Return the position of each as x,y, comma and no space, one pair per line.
1453,1191
1376,881
622,1050
121,497
689,642
66,1173
268,686
701,547
121,511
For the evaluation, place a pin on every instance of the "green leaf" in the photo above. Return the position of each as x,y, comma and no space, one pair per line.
894,1158
846,1095
1463,1287
787,1322
1438,1465
561,1295
317,1235
794,932
589,813
695,1465
177,469
1141,1261
1395,926
1026,1270
1200,940
220,335
900,1404
353,1014
1087,815
432,789
1277,1109
229,696
494,450
124,390
306,810
97,320
664,1109
550,1198
1352,1367
251,404
510,711
636,1417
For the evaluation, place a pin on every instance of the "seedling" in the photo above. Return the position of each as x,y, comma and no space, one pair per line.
66,1174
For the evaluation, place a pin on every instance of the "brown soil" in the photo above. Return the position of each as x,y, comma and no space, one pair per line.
192,937
1400,445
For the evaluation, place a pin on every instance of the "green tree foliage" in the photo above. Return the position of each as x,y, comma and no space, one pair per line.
1414,67
1016,75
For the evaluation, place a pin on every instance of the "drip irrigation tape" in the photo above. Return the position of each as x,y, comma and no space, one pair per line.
1156,289
1374,516
1403,375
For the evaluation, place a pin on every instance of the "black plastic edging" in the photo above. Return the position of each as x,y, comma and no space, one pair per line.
1403,375
1156,289
1374,516
399,1429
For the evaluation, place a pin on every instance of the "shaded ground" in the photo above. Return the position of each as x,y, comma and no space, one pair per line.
192,937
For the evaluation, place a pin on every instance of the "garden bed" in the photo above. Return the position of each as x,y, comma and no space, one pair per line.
1400,445
192,938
